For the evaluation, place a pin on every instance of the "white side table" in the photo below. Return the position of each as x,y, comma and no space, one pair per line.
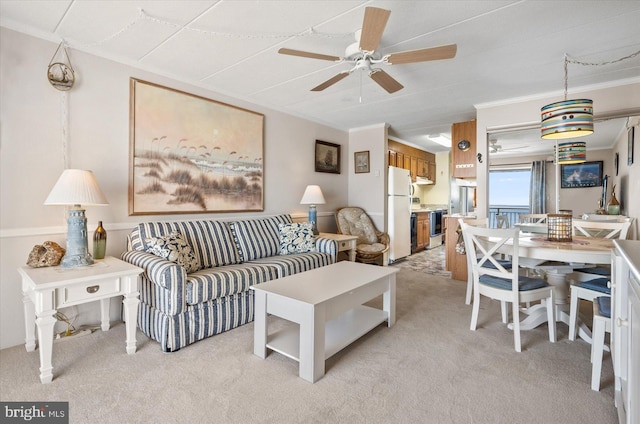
47,289
346,243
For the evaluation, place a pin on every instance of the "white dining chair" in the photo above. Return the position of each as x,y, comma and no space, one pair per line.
499,283
601,325
533,218
590,288
502,221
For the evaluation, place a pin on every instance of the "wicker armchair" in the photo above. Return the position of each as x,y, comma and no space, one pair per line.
372,245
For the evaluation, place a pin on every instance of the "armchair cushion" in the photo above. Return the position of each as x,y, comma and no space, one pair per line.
356,222
174,248
370,248
296,237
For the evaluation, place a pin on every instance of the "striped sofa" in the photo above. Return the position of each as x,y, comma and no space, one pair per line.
177,309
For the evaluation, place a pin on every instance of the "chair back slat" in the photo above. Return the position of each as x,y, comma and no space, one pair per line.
601,229
485,242
533,218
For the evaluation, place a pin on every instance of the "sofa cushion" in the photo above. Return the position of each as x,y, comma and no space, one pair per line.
258,238
296,237
173,247
211,241
297,262
212,283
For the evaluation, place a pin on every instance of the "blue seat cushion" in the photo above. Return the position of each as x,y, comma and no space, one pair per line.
604,306
598,284
598,270
525,283
506,264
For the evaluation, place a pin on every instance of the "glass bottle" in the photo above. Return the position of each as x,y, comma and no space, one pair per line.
99,242
613,208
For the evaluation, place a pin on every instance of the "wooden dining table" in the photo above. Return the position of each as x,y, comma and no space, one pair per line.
558,259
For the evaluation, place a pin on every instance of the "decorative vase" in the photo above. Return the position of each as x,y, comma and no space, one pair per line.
613,208
99,242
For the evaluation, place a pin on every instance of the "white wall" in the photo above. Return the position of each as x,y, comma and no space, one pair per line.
440,192
368,190
628,179
32,116
606,100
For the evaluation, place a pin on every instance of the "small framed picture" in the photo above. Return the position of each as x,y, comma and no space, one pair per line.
327,157
616,162
630,146
361,161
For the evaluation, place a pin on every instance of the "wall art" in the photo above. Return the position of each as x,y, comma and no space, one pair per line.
190,154
581,175
361,162
327,157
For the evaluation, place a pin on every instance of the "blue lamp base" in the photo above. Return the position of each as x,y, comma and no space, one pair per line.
313,218
77,245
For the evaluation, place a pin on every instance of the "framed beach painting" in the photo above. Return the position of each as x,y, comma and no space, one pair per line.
190,154
581,175
327,157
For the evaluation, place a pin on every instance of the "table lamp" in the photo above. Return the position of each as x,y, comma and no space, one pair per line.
76,187
313,196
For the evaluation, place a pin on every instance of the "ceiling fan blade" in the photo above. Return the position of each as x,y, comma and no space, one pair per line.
331,81
385,81
309,54
423,55
375,20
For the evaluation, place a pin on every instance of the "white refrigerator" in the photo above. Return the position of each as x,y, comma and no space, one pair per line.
399,213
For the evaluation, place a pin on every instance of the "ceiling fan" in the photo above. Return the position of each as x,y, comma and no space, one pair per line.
494,147
362,54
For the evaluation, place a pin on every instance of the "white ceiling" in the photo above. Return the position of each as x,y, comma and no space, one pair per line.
506,49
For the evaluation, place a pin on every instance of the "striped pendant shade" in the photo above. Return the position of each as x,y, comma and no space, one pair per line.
572,152
567,119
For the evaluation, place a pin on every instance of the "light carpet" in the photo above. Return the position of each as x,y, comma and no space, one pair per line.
428,368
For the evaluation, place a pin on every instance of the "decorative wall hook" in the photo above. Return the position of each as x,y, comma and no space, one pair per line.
479,156
60,73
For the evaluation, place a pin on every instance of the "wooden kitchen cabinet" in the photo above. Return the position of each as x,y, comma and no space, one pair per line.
418,162
455,262
424,230
400,160
464,162
431,171
392,158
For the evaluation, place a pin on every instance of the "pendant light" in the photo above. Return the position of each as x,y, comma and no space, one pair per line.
568,118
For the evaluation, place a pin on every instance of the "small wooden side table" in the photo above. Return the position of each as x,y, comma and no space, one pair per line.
45,290
346,243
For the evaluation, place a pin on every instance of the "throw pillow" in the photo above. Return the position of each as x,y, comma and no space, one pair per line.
296,237
173,247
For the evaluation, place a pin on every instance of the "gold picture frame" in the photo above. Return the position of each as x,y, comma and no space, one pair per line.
190,154
361,162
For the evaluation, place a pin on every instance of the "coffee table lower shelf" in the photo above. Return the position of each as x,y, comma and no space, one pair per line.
339,332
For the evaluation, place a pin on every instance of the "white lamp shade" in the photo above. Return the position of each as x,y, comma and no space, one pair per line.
76,187
312,196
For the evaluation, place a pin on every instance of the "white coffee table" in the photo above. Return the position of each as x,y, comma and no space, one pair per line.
327,305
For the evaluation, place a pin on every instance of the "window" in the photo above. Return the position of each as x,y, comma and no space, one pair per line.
509,187
508,194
